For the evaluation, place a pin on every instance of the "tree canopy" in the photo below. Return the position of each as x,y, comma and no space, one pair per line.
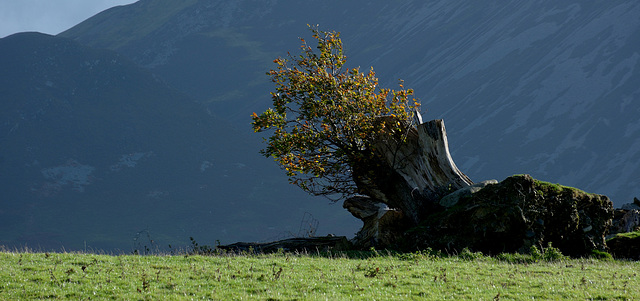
326,118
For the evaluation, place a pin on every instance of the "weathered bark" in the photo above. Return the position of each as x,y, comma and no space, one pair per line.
415,173
424,160
417,169
422,167
380,222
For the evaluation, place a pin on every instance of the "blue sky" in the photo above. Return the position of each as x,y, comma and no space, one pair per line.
49,16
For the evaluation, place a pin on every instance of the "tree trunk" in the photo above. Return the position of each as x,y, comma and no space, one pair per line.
415,173
297,244
417,183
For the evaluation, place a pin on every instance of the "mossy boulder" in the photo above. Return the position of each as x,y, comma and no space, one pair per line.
625,245
517,213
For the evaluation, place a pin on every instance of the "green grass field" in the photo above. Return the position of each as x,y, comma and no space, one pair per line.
370,276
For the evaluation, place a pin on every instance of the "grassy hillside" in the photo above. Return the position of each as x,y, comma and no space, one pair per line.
305,277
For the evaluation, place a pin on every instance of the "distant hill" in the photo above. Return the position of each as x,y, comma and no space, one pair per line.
545,87
136,121
97,152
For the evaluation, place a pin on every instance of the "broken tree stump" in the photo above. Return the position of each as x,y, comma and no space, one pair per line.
418,171
380,221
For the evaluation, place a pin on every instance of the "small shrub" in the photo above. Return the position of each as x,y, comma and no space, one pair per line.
425,254
466,254
372,272
601,255
535,253
552,254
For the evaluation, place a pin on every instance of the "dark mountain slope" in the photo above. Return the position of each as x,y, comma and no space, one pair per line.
539,87
95,149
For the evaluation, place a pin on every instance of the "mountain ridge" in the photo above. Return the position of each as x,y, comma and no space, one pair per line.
97,150
543,87
140,115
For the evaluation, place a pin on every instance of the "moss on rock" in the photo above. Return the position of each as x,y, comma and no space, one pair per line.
518,213
625,245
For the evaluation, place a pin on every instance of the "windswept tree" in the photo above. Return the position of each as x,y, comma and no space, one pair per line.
326,119
337,133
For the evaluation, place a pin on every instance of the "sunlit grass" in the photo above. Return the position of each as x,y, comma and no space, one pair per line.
307,277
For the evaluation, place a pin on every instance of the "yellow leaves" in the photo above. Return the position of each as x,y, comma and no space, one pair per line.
324,116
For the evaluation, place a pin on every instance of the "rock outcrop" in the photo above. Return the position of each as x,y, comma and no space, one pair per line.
625,245
623,240
625,221
517,213
453,198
